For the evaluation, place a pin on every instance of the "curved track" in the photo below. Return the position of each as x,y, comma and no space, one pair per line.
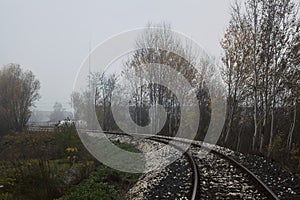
192,164
260,185
254,179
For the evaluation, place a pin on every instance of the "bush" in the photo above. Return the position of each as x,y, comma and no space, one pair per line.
34,165
277,148
295,159
103,183
45,165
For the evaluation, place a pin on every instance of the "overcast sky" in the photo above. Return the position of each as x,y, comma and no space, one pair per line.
51,38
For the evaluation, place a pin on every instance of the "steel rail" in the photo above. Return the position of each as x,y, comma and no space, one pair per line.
192,163
268,192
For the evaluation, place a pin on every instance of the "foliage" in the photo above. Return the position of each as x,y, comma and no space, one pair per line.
46,165
260,70
34,165
295,159
126,147
72,157
18,92
277,147
279,152
103,183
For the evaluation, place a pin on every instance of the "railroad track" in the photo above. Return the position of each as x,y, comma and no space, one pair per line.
180,176
215,154
195,172
239,180
265,191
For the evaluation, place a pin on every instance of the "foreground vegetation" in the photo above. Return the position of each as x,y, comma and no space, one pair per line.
48,165
103,183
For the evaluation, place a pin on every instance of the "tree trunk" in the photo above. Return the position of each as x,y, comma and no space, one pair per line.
228,130
273,96
239,139
255,114
290,136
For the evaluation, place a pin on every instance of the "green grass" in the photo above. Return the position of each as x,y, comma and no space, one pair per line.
126,147
35,165
104,183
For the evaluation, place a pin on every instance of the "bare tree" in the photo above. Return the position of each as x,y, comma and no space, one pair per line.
160,46
77,104
292,82
98,97
104,86
236,65
18,92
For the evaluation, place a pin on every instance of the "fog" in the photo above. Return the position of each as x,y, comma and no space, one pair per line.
52,38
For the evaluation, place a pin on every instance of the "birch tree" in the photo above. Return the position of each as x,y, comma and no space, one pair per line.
263,37
236,62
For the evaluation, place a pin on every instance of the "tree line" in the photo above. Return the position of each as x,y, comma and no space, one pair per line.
260,71
159,46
